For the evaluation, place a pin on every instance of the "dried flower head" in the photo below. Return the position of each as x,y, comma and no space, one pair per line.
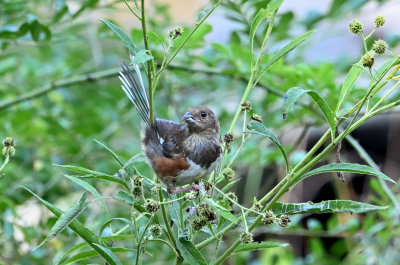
284,220
368,60
228,173
379,46
356,27
379,21
246,106
198,224
137,181
176,32
268,218
155,230
151,205
8,149
207,213
257,118
137,191
246,238
228,138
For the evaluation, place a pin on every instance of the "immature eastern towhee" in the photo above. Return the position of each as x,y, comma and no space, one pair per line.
179,153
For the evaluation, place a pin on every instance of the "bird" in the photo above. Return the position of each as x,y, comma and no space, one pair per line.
180,153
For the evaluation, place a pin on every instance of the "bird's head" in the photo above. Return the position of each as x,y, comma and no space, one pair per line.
201,120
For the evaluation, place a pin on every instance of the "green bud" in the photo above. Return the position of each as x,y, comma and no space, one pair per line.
368,60
151,205
198,224
356,27
379,46
207,213
268,218
8,149
155,231
379,21
256,117
191,196
246,238
284,220
228,173
246,106
176,33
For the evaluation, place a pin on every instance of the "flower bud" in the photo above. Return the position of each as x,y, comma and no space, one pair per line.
268,218
379,46
246,238
8,149
257,118
151,205
284,220
207,213
246,106
356,27
191,196
368,60
176,33
228,173
155,231
379,21
198,224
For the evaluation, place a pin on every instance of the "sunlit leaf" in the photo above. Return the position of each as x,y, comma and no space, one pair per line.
124,196
122,36
141,57
91,253
295,92
260,129
332,206
259,246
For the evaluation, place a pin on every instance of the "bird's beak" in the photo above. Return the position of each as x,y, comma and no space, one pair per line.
188,118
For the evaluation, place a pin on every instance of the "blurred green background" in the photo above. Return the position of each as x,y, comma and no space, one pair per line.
46,46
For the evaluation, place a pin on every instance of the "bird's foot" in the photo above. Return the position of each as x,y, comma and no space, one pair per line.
191,187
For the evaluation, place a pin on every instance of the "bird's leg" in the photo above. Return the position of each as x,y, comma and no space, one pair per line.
191,187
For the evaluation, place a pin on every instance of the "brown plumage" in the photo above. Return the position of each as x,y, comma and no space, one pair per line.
179,153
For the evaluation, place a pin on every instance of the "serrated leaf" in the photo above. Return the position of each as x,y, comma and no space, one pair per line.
122,36
332,206
355,72
86,234
346,167
295,92
124,196
141,57
259,246
260,129
189,252
221,210
66,218
285,50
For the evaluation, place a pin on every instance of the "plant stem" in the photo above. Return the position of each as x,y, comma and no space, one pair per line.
5,163
138,247
187,38
150,70
170,234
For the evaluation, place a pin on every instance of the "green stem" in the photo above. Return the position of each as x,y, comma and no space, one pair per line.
5,163
133,12
138,247
385,96
150,67
170,234
187,38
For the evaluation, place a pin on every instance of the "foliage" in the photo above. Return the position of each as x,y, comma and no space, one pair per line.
84,103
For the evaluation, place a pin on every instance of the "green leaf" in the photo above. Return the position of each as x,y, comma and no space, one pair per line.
141,57
355,71
203,13
91,253
93,174
124,220
261,15
86,234
221,210
189,252
116,157
92,190
124,196
109,253
258,246
60,13
346,167
295,92
260,129
332,206
66,218
122,36
285,50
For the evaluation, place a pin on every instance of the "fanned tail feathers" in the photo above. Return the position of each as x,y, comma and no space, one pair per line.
134,91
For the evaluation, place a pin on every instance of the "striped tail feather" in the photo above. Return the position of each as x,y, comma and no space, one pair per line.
135,91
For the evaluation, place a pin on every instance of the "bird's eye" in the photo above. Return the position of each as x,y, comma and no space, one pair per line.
203,114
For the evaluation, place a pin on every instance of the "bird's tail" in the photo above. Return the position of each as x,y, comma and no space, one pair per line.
135,91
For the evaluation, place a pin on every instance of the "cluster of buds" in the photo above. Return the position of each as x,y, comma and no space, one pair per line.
228,140
233,197
8,149
284,220
175,33
151,205
199,223
207,213
379,46
246,238
228,173
155,231
246,106
191,196
256,117
137,186
257,206
268,218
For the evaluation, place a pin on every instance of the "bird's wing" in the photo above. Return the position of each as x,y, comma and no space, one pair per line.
171,135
